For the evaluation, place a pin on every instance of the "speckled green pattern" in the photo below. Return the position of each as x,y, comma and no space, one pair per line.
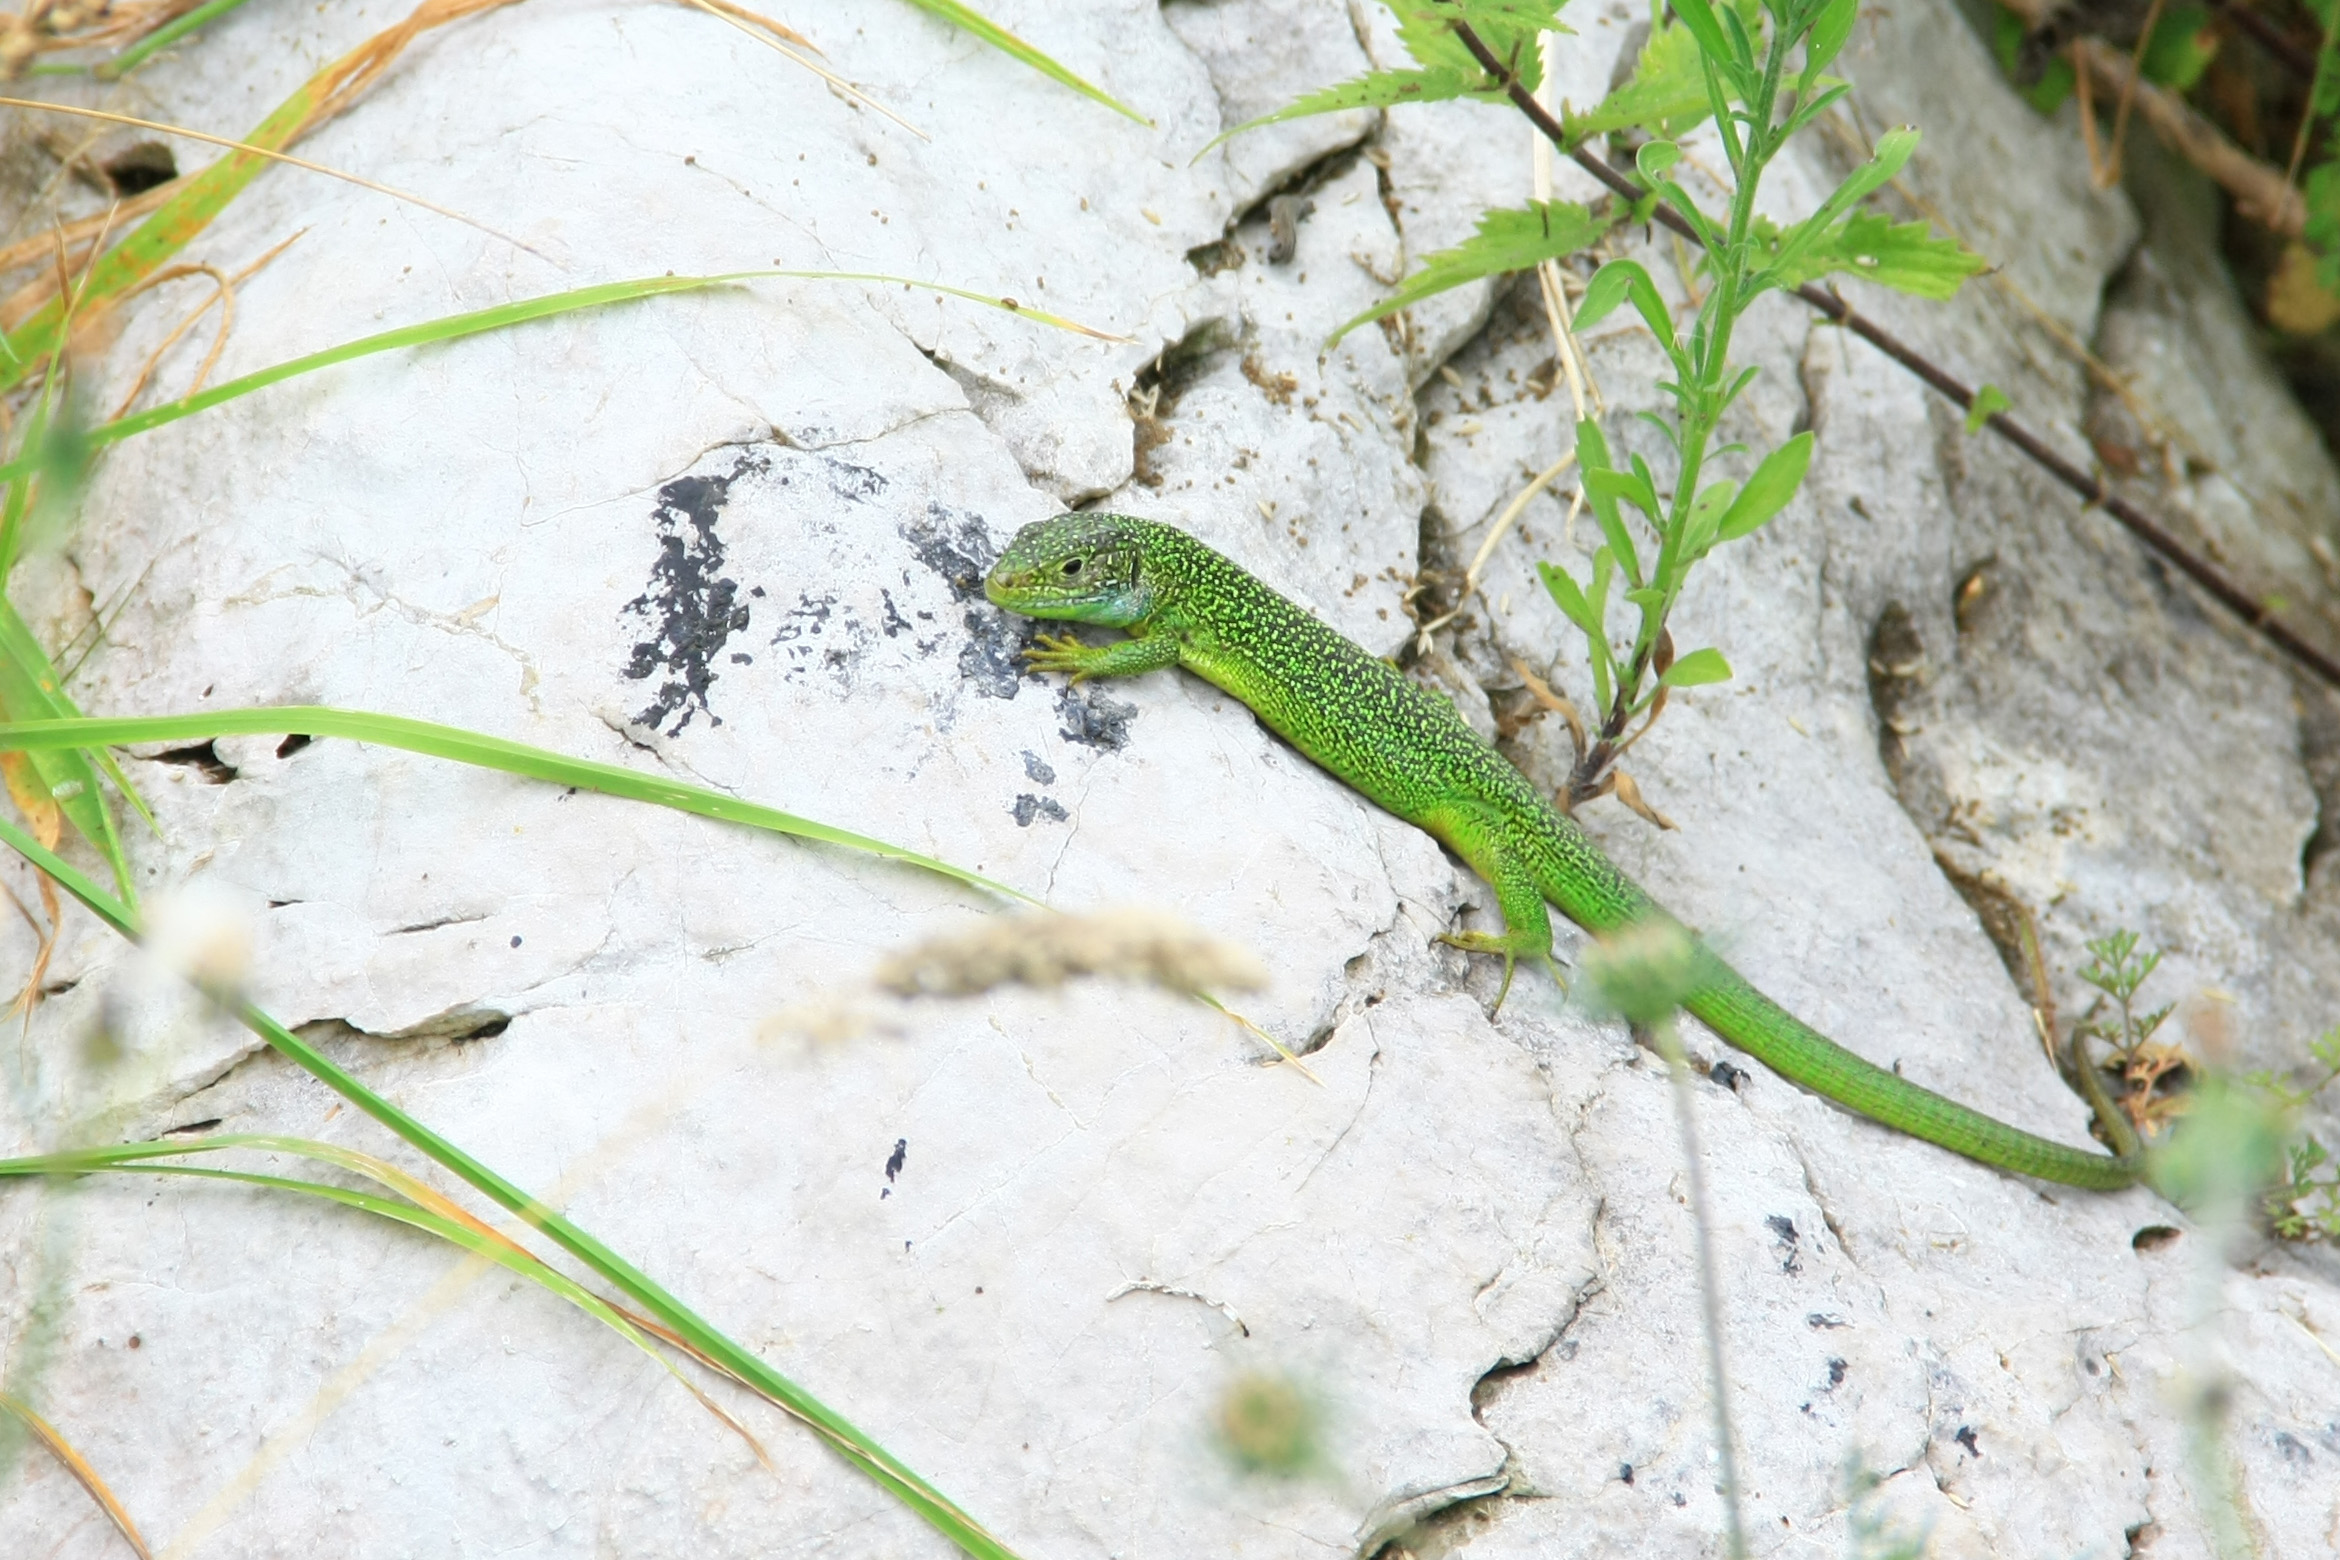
1409,751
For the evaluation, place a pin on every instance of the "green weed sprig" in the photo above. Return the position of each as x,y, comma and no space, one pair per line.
1760,97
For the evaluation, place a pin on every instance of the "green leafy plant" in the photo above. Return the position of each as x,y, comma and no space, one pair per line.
2303,1203
2117,966
1763,75
1758,69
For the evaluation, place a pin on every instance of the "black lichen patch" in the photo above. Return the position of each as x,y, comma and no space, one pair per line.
955,544
1037,770
1783,1229
1029,807
993,658
691,608
1094,720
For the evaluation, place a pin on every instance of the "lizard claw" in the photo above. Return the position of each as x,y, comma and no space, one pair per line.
1059,653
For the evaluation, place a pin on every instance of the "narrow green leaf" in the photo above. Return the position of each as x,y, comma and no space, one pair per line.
1742,55
1828,35
1506,241
1698,17
980,26
1775,481
467,747
1705,518
1617,281
163,37
1603,293
1831,92
1654,158
31,690
1696,669
1567,597
1620,543
1630,486
1988,400
1592,455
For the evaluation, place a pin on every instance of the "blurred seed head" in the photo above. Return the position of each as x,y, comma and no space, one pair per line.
1266,1423
199,932
1643,972
1046,949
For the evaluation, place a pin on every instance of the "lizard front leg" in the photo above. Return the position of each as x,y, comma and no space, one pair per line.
1125,658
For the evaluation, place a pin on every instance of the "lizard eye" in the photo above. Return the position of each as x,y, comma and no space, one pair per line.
1072,566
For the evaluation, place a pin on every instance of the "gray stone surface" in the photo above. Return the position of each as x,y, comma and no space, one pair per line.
1030,1241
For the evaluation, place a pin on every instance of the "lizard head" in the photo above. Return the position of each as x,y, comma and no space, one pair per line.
1081,568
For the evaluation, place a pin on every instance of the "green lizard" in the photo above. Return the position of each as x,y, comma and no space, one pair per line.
1407,750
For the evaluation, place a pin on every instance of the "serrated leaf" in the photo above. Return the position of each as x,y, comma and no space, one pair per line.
1696,669
1894,149
1568,597
1447,69
1904,256
1382,89
1667,94
1507,240
1776,478
1509,28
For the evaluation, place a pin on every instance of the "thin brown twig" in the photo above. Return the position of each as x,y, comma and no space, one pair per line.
2085,91
2120,133
224,296
2267,36
2307,118
234,145
2090,488
777,38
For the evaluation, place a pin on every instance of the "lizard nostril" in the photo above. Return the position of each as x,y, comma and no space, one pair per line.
1072,566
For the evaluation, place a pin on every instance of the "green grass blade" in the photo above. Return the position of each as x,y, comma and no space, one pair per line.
1008,43
935,1508
164,36
454,327
137,1157
30,688
171,227
433,740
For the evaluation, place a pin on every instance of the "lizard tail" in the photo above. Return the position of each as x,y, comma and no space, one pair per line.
1751,1021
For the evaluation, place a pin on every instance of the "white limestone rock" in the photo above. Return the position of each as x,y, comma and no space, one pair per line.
1028,1241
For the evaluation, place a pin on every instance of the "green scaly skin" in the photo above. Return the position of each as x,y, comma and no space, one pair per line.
1408,751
